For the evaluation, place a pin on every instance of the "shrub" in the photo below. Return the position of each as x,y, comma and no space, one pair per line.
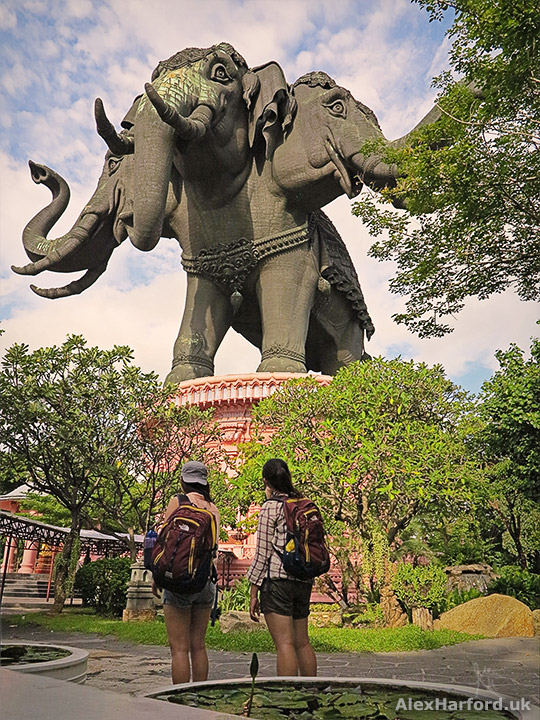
324,607
423,586
372,615
521,584
237,598
458,596
103,584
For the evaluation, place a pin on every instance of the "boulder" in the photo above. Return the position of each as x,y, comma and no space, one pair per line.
491,616
465,577
325,619
237,621
536,622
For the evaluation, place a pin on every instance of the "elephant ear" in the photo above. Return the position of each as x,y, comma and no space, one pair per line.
274,107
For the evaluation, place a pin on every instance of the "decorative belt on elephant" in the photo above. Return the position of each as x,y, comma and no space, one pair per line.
229,264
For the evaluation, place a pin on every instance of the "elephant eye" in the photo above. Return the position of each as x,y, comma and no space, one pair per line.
337,108
112,164
220,73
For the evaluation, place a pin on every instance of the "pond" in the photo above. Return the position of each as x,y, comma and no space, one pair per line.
23,654
276,701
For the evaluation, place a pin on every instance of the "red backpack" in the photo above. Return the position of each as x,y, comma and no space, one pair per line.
305,554
182,557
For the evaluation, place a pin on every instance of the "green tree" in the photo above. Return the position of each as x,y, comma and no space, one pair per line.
66,416
471,182
382,443
510,407
164,435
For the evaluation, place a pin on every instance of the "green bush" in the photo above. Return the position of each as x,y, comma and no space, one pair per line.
237,598
422,586
521,584
458,596
372,615
324,607
103,585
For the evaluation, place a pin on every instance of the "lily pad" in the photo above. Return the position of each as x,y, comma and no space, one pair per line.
273,701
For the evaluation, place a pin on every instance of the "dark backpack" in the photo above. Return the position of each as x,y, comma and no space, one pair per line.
305,554
182,557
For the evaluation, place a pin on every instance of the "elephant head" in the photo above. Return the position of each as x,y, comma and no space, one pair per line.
89,244
321,157
195,94
199,94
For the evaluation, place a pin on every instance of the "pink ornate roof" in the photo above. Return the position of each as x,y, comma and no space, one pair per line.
235,389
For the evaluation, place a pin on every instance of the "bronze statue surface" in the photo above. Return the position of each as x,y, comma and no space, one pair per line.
236,164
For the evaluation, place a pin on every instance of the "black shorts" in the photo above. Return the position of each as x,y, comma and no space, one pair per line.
285,597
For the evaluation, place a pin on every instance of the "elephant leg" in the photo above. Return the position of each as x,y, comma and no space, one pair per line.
286,291
207,317
335,337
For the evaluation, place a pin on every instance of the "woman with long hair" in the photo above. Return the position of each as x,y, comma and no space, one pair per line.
282,598
187,614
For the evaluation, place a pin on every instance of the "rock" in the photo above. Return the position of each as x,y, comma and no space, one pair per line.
422,618
491,616
536,622
325,619
237,621
465,577
394,616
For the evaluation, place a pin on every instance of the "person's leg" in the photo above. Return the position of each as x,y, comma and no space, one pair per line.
178,622
199,657
281,630
307,661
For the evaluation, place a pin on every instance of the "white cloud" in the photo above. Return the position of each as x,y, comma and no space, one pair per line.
8,19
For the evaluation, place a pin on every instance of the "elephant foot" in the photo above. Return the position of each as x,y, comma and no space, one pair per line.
282,360
185,370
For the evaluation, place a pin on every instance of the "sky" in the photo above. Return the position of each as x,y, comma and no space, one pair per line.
57,56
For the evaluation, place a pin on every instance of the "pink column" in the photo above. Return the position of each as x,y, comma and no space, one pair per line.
29,556
9,558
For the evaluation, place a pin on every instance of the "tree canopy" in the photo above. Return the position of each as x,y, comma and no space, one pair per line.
510,440
95,433
382,442
470,181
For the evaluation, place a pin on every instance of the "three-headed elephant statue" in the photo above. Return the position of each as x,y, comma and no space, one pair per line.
236,165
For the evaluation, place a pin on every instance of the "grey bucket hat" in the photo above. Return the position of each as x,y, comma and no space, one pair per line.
194,472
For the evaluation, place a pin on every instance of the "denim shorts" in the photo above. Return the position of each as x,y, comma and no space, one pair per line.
285,597
203,598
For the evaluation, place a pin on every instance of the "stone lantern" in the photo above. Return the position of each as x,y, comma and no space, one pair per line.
140,603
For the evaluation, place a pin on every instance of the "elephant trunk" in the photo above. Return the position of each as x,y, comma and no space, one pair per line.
375,173
48,253
161,119
35,233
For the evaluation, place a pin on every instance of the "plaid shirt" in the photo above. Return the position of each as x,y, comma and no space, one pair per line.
271,533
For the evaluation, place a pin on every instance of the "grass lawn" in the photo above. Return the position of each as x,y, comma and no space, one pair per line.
326,640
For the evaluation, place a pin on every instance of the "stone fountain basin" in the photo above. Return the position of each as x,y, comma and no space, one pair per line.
72,668
514,708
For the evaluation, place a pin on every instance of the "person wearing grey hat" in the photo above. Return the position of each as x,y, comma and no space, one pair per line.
187,615
194,472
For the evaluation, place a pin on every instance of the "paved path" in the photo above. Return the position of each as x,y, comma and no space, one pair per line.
508,665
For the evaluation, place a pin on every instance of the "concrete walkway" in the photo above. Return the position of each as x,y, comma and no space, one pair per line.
509,666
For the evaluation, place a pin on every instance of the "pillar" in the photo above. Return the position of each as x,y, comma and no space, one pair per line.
9,557
29,556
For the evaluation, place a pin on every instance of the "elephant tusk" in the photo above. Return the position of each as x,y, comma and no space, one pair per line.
73,288
117,144
77,237
341,171
192,128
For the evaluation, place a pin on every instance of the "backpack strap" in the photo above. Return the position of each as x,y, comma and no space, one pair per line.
281,497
